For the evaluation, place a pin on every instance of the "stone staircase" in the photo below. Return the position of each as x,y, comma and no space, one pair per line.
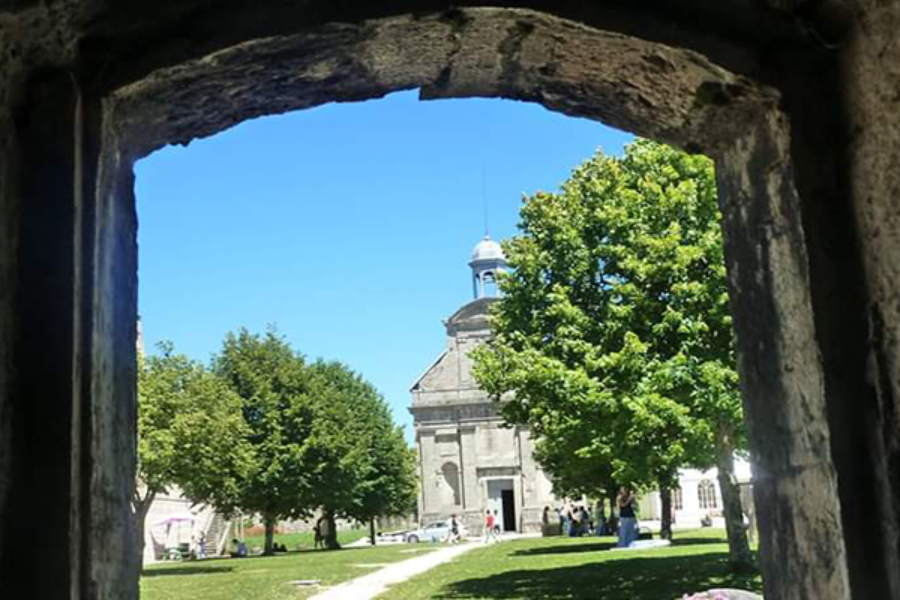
217,530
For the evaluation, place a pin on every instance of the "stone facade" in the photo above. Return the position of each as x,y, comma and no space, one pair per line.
468,460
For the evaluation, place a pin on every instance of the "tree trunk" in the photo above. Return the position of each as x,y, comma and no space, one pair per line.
270,535
141,508
739,555
372,530
331,542
665,495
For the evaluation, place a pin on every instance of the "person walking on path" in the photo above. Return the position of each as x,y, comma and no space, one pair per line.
627,518
488,526
453,536
498,531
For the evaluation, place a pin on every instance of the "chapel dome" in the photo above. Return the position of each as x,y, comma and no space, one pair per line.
487,249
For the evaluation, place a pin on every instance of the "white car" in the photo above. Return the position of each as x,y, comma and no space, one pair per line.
390,537
436,531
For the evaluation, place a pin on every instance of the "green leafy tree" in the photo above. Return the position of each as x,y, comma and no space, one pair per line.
190,435
273,384
364,468
614,331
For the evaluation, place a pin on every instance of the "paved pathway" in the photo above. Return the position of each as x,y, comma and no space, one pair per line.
369,586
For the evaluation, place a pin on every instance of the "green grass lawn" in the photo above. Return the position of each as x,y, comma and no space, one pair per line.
581,568
266,578
305,540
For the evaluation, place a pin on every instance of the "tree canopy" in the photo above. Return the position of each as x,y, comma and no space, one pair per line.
323,437
273,385
613,337
191,434
365,469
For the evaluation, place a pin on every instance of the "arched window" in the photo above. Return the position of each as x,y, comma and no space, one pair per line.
450,473
677,500
488,281
706,493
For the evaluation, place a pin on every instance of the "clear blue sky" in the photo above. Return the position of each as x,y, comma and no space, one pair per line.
348,225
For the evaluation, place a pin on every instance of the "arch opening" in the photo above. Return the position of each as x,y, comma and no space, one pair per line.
669,94
655,90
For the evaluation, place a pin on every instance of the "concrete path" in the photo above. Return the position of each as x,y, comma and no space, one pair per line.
369,586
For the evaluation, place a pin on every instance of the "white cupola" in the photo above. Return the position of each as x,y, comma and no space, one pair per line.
487,261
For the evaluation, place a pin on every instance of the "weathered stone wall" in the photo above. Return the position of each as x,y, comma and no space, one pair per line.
110,386
67,313
658,91
870,81
38,375
8,253
782,383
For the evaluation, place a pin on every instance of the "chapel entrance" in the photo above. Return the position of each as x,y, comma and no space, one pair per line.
502,499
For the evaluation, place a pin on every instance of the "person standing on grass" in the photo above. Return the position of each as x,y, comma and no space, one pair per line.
201,545
601,518
318,537
575,527
627,518
545,522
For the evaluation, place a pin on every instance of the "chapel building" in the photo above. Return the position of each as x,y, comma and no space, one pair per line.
469,460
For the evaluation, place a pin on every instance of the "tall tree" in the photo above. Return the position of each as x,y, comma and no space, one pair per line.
273,384
614,331
365,469
190,435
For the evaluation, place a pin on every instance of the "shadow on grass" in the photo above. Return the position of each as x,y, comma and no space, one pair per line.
198,570
571,549
693,541
660,578
600,546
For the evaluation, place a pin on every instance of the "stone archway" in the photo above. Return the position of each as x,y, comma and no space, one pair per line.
88,87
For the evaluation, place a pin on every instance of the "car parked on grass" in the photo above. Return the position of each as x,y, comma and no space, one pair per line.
436,531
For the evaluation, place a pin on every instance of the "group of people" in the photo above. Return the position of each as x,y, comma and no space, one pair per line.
576,520
492,530
238,548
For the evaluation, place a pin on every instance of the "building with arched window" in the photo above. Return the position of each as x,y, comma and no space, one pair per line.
469,461
698,497
706,495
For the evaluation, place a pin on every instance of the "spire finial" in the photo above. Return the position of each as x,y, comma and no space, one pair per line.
484,201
